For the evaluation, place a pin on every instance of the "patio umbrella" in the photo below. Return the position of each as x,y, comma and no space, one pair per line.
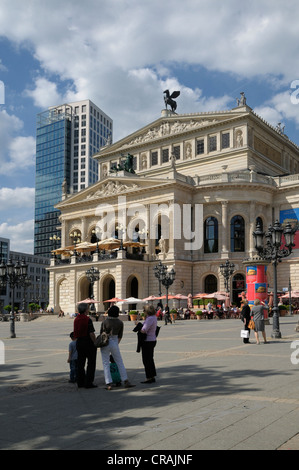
132,300
89,301
109,244
199,296
294,295
134,244
178,297
67,250
151,298
86,246
114,299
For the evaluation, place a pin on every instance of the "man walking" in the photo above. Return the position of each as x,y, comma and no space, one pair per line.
84,333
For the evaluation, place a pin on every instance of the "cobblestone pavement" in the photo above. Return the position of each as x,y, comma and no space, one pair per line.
212,391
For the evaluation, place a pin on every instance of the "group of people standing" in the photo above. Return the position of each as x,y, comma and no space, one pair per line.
257,315
83,343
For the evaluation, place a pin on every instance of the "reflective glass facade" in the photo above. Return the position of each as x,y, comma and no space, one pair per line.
68,136
53,163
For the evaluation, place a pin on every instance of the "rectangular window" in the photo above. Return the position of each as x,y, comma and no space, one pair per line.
212,143
177,152
225,140
165,155
154,158
200,147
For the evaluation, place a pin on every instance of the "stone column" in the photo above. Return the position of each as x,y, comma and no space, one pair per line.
224,230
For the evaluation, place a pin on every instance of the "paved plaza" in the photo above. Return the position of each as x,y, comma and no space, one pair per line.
212,391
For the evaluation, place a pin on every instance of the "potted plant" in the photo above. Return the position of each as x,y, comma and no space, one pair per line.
133,315
198,314
173,314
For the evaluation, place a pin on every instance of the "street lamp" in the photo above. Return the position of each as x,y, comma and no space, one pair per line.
55,240
93,275
227,271
164,277
13,275
76,237
273,251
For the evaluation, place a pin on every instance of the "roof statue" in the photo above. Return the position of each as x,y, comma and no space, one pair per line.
168,99
241,101
127,166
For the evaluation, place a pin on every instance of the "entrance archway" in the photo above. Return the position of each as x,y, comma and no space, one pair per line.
108,288
132,286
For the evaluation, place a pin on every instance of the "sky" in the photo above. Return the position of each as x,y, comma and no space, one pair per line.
122,55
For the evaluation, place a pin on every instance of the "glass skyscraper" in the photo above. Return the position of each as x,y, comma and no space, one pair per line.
67,137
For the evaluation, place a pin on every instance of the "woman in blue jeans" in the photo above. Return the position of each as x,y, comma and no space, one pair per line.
114,327
148,345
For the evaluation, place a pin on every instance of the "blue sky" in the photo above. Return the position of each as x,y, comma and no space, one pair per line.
122,54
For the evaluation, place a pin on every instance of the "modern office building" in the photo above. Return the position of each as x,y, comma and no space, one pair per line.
37,288
201,177
67,137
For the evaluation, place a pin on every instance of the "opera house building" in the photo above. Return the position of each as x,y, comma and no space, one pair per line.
187,190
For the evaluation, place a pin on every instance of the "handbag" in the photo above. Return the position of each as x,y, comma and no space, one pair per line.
251,325
244,334
102,340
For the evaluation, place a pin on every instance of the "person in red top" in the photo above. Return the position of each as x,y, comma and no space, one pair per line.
84,333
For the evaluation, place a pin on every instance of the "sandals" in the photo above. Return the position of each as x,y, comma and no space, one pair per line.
111,386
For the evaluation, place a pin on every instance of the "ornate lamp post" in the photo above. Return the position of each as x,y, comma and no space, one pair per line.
76,237
274,252
164,277
13,275
93,275
55,240
227,271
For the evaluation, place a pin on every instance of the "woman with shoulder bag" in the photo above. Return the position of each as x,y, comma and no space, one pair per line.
114,327
258,318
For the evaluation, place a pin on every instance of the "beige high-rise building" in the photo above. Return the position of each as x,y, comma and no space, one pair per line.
200,182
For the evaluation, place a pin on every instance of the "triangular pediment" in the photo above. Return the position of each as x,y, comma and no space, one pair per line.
168,126
113,186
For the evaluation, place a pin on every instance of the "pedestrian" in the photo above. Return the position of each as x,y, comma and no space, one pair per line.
167,318
245,318
258,318
73,359
114,327
148,345
84,333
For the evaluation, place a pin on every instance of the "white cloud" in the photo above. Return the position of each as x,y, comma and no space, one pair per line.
44,94
16,152
20,235
280,108
119,54
11,198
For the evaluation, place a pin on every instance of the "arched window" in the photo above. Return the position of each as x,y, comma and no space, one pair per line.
210,284
259,221
237,234
211,235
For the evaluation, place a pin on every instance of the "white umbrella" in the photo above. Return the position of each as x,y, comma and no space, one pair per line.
132,300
